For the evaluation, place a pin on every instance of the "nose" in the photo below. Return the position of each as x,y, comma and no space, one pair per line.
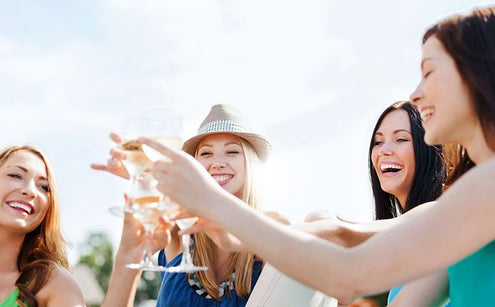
218,164
385,149
416,95
29,189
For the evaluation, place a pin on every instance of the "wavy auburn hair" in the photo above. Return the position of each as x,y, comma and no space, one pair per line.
44,247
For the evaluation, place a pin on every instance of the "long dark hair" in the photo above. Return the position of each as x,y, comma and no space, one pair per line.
469,38
429,173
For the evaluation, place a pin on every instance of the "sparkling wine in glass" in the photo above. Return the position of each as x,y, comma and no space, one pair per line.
147,202
136,161
147,206
165,126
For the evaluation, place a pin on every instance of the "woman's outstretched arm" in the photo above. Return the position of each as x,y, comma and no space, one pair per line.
371,267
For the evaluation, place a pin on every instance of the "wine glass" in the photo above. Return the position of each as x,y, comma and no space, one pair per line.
153,123
147,206
187,264
147,202
136,161
166,129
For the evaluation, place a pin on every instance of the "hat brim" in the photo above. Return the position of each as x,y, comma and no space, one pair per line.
259,143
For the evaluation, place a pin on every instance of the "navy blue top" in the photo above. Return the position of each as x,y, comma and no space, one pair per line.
176,291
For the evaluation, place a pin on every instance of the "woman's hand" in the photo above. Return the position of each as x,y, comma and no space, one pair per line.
223,239
186,181
133,239
114,163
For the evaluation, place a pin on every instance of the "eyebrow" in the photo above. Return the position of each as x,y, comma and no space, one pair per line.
25,170
425,59
395,131
229,143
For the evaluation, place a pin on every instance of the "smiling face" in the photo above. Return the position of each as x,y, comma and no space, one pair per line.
223,157
392,155
24,191
443,98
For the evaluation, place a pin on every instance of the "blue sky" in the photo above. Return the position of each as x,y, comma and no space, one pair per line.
314,75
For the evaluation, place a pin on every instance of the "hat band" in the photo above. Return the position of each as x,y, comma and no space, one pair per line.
223,125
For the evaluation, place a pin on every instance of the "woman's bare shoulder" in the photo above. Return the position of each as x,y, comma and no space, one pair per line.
61,289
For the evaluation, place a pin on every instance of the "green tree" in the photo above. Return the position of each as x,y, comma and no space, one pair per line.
97,253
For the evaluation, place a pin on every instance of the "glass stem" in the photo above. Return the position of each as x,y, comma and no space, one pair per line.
186,254
147,249
132,188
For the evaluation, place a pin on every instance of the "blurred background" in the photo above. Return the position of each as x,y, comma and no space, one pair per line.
314,75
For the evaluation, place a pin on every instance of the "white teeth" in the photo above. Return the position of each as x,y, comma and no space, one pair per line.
222,177
427,112
22,206
388,166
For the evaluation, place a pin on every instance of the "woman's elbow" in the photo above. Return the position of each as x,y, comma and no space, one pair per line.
347,289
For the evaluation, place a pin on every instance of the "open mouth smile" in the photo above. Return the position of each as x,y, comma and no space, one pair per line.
426,113
390,169
21,206
222,179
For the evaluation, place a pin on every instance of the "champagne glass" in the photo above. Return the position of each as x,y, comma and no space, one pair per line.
147,206
147,202
187,264
165,127
136,161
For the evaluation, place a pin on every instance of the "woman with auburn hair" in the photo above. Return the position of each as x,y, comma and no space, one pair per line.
34,261
449,247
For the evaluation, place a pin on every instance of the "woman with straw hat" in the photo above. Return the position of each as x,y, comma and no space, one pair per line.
450,246
231,150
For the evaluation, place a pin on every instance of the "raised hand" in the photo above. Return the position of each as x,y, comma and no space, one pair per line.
223,239
185,180
114,163
133,239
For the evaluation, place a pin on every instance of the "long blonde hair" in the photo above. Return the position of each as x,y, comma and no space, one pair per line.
44,247
240,263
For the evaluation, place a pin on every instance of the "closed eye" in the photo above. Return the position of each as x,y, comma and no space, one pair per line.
44,187
17,176
205,153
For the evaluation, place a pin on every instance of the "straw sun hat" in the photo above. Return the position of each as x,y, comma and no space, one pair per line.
227,119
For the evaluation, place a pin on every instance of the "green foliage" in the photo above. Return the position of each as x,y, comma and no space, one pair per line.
97,253
148,286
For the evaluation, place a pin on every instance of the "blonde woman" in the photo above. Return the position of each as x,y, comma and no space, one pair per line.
229,149
33,265
232,153
449,247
